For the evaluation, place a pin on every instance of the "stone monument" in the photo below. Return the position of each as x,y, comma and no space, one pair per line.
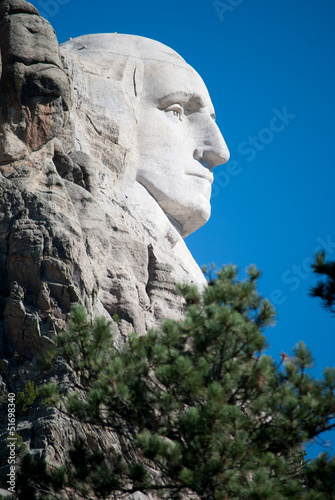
107,150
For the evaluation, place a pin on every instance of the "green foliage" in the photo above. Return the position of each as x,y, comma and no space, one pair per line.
20,446
26,398
325,289
116,318
34,480
320,474
199,404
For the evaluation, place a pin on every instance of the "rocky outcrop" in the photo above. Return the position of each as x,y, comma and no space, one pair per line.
35,91
70,231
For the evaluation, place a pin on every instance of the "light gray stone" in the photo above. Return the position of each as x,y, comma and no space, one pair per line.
144,113
107,151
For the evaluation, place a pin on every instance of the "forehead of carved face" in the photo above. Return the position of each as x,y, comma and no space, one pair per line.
179,142
168,111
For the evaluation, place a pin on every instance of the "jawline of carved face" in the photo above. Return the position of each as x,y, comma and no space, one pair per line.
187,213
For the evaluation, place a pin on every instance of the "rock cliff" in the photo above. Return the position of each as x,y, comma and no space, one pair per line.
71,229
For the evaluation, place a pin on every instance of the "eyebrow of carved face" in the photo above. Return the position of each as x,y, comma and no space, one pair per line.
192,102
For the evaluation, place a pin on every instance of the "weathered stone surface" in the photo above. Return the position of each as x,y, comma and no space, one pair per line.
93,205
36,92
28,39
17,7
83,163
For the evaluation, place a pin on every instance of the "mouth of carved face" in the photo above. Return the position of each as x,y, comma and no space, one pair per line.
201,171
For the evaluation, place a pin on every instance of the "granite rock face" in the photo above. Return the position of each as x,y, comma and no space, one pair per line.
82,219
35,91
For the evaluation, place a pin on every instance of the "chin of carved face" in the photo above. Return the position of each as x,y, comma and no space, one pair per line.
191,215
179,143
185,198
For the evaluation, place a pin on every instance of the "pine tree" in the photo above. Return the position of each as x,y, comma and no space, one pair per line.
325,290
203,410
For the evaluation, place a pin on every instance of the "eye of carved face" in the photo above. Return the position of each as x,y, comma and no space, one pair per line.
176,110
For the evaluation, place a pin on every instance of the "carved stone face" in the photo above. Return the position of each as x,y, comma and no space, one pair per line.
179,143
168,109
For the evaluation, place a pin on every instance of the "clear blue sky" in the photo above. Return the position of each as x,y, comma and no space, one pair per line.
269,67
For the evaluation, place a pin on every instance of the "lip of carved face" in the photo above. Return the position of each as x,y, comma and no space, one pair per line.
203,174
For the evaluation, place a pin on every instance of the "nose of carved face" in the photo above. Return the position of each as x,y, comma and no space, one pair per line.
214,150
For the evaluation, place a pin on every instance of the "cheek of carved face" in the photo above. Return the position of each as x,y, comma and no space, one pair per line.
179,145
168,169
